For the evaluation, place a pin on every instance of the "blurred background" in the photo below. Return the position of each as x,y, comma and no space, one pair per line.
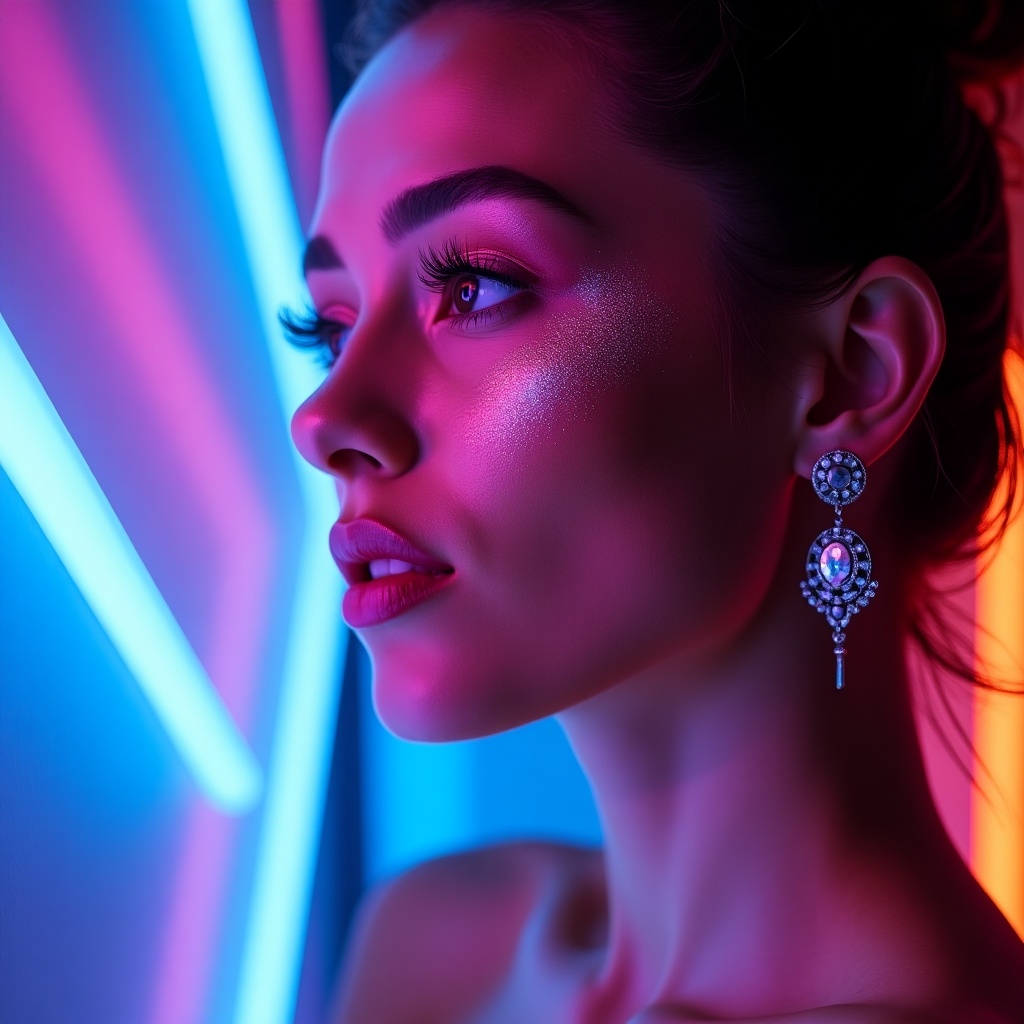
193,788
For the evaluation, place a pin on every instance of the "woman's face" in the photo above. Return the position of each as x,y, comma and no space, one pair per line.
530,389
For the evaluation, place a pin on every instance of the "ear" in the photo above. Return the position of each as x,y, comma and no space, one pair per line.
880,346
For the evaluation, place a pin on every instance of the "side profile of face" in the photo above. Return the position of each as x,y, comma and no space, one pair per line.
531,387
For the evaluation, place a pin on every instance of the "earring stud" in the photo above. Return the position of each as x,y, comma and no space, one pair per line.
839,582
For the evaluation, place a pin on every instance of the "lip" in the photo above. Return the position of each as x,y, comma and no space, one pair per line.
368,602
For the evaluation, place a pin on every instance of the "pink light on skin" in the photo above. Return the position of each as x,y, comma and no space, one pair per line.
305,76
88,195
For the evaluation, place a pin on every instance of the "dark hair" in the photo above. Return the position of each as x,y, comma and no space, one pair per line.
832,133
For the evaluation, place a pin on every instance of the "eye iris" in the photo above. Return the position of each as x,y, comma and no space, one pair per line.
465,292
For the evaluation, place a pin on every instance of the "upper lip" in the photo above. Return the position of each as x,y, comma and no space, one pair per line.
357,543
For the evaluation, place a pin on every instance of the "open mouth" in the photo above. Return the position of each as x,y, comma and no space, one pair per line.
387,588
381,568
386,572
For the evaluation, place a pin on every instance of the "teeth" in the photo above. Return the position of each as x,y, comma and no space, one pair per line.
380,567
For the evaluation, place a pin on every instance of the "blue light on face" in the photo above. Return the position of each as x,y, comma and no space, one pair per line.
45,465
305,718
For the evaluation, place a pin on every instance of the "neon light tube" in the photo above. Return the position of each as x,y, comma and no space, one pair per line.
304,732
45,465
997,807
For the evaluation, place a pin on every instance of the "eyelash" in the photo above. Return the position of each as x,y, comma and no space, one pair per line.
438,269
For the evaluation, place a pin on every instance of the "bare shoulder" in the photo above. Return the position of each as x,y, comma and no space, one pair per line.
434,942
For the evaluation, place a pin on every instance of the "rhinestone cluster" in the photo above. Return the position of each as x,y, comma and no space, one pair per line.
838,580
839,478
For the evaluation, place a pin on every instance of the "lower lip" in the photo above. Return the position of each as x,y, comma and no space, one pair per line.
376,601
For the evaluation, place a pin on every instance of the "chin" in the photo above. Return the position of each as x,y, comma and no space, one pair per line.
418,699
429,695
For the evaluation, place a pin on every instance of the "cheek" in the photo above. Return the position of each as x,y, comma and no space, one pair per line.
552,393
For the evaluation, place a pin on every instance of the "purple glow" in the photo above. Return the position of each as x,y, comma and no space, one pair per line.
111,242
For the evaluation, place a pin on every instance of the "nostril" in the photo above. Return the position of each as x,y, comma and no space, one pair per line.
347,460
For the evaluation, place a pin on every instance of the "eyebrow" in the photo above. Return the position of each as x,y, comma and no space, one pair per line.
421,204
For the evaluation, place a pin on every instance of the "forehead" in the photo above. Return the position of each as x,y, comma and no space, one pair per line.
464,88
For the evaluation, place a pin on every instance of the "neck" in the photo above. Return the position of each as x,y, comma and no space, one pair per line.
756,819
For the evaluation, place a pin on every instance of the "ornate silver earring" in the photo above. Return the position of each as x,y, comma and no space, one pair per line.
838,580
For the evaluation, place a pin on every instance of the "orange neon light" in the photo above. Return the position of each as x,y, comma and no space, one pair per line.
997,813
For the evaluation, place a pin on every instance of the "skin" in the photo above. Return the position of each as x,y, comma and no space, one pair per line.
606,490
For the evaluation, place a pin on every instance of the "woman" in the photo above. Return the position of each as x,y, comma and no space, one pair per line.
599,285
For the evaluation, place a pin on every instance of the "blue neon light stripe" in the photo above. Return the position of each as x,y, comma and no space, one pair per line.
304,731
45,465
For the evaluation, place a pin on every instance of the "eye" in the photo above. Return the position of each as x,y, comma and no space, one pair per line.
476,289
473,292
333,336
309,329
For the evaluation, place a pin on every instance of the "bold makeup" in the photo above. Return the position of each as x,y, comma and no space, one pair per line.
611,326
387,574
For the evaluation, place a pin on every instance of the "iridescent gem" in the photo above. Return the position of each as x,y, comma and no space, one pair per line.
835,564
838,477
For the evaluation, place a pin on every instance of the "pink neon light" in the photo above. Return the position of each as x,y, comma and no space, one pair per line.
305,77
194,925
73,161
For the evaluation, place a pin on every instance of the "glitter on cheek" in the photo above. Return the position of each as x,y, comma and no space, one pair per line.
612,331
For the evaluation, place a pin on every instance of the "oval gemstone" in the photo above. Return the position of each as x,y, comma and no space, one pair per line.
839,477
835,564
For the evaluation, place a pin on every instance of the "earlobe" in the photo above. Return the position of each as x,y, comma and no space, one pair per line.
884,341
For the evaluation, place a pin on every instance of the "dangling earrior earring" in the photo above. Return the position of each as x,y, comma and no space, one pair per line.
838,580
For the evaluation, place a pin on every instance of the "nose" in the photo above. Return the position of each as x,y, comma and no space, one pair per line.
351,427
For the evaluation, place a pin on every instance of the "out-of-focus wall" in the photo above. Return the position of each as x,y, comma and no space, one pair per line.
127,894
